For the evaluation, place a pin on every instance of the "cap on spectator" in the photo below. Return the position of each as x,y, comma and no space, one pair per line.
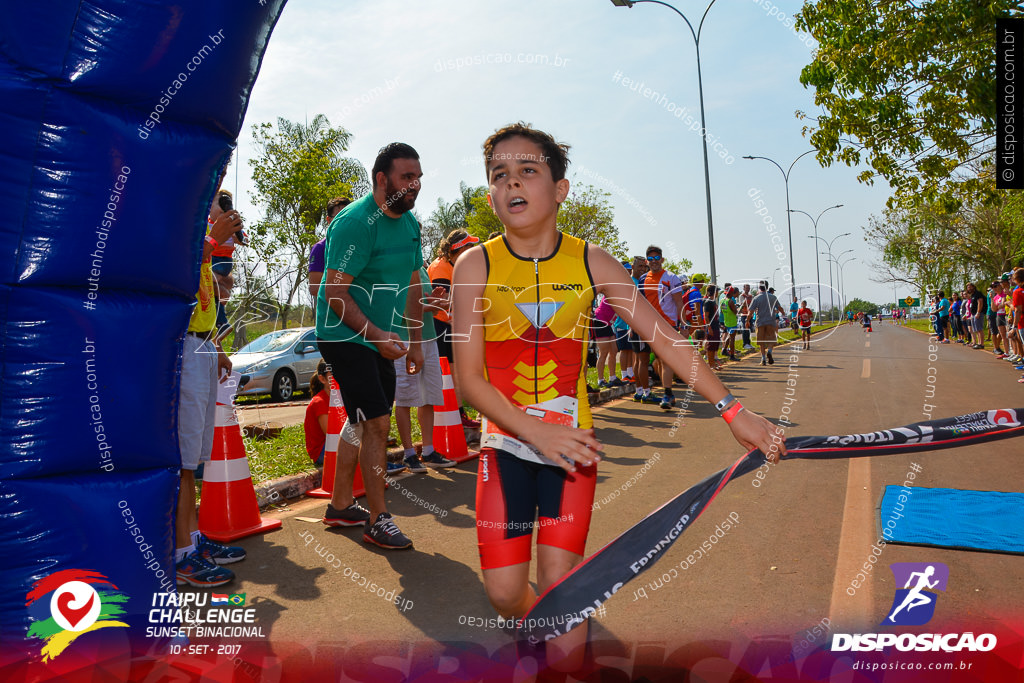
1005,277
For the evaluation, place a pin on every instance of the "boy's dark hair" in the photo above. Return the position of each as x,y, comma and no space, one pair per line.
386,158
655,248
336,205
554,154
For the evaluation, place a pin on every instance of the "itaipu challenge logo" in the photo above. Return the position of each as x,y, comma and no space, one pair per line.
67,604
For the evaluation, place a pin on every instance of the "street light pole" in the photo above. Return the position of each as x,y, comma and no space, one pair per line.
817,267
789,223
842,279
836,259
703,121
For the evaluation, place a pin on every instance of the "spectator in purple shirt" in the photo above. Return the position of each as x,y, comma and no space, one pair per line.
316,254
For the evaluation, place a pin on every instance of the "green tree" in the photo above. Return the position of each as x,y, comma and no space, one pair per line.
482,221
925,245
907,87
861,306
587,214
299,169
681,266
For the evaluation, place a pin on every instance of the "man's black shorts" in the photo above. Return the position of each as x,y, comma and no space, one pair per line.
366,379
639,346
443,331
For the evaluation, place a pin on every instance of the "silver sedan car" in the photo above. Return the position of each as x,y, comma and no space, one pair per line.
278,363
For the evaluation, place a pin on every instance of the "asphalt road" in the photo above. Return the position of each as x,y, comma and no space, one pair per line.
801,537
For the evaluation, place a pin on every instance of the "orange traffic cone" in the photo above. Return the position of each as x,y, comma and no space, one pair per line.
449,436
228,507
336,418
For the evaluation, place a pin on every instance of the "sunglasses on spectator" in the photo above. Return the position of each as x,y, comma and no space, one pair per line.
653,258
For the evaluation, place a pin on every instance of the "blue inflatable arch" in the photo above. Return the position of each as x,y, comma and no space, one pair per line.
118,118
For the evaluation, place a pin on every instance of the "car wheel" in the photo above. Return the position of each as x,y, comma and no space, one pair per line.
284,385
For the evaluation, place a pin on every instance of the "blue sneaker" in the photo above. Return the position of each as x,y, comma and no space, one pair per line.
649,399
638,397
616,382
667,403
218,553
196,570
395,468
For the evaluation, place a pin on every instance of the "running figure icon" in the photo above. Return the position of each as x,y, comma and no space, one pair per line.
916,598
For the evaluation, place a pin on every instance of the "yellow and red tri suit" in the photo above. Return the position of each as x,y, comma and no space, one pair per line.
536,326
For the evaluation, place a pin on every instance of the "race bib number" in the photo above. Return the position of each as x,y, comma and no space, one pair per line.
563,410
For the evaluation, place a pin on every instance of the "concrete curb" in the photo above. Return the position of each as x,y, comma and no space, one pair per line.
295,485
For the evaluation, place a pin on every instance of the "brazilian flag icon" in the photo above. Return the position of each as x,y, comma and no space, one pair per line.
237,600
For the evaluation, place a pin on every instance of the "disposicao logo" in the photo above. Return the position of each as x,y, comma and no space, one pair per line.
914,604
65,604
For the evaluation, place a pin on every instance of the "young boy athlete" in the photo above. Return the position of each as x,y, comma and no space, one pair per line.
521,305
804,318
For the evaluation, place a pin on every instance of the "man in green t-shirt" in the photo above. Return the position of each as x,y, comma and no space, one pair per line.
372,257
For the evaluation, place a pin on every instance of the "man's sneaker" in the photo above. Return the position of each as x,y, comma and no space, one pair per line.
667,402
414,464
638,396
218,553
593,390
763,361
196,570
616,382
353,515
602,384
470,424
771,361
649,398
395,468
384,533
435,459
747,347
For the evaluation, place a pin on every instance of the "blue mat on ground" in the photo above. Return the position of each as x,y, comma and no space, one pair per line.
992,521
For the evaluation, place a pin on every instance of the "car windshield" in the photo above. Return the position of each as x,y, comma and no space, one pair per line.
273,341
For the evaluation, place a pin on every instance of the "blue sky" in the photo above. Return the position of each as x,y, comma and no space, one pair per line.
442,75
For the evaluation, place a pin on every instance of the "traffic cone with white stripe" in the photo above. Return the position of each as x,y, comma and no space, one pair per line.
228,507
336,418
449,436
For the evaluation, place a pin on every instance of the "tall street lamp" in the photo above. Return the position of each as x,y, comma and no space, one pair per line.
789,223
703,122
842,280
817,267
833,259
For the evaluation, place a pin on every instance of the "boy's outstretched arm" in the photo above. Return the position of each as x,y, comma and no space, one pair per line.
467,319
752,431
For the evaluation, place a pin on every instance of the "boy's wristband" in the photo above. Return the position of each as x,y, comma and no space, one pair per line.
213,242
721,405
731,414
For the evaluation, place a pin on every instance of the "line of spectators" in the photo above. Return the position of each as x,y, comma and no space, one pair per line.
962,317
